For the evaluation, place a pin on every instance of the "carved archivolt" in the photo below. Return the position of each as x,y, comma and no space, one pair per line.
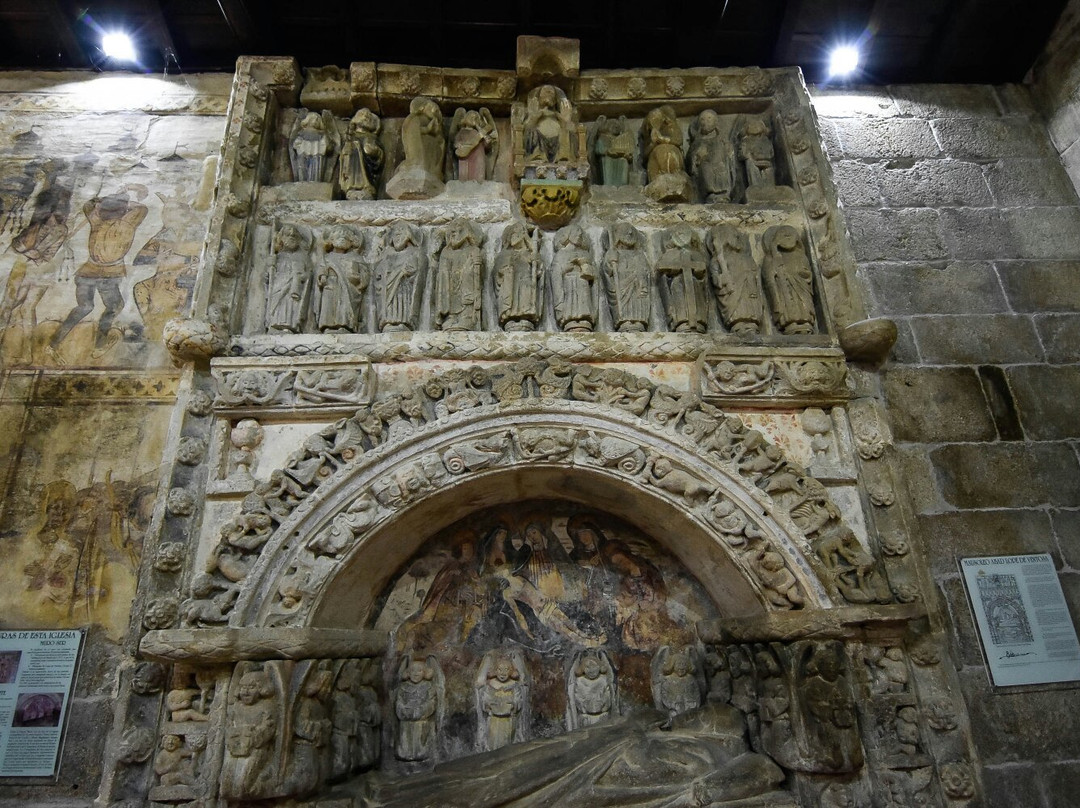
377,482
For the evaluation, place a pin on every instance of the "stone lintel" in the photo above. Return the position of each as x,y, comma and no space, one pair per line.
211,646
775,376
845,623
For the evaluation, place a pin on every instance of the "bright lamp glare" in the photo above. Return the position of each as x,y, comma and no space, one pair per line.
118,46
843,60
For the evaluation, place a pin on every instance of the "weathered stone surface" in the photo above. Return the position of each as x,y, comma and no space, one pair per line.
962,340
1008,786
1052,232
938,405
960,534
868,341
857,183
864,101
1008,475
884,139
933,184
918,474
905,349
1048,400
964,636
847,623
944,100
1041,285
897,235
1030,182
982,139
1067,531
959,287
211,645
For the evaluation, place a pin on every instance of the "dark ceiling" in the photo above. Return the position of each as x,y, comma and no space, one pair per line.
907,41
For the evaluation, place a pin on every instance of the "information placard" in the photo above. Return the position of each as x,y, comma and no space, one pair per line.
1024,624
37,673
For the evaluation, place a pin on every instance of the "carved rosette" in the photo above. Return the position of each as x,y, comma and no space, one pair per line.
551,204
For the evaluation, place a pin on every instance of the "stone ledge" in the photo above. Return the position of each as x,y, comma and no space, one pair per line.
845,623
216,645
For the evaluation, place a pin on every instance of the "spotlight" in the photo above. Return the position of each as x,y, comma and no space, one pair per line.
843,61
118,45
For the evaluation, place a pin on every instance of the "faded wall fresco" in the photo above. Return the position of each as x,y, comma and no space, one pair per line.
537,585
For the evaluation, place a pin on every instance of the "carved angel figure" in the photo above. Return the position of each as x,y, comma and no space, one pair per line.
475,143
458,282
662,148
249,739
418,707
614,150
629,278
549,127
789,281
682,270
340,282
591,691
757,154
573,280
710,158
420,175
399,279
736,280
677,680
290,280
361,163
519,281
502,700
313,141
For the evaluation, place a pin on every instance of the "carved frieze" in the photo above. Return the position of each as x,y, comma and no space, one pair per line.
779,378
323,383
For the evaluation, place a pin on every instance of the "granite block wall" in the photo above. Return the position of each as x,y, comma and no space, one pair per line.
966,227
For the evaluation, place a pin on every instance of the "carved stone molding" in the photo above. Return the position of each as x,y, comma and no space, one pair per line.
330,383
776,377
845,623
211,646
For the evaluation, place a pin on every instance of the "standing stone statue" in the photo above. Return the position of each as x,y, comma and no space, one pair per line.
789,281
662,148
757,155
361,163
502,700
313,142
682,269
458,281
290,281
340,282
249,740
677,680
519,281
418,708
550,127
591,694
629,279
399,279
711,158
736,280
369,720
312,731
573,280
475,143
614,149
420,175
344,715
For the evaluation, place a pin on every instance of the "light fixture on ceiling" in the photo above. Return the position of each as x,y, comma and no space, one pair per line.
843,61
118,45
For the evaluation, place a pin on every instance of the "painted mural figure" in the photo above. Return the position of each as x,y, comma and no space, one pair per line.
519,281
629,279
614,149
682,269
573,280
340,282
789,281
290,281
399,277
710,158
418,705
592,696
475,142
249,739
458,282
676,680
360,165
502,699
736,279
113,221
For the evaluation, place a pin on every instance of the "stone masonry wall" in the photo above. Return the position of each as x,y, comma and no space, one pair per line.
967,232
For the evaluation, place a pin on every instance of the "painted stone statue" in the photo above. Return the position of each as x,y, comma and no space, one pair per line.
628,279
313,143
362,157
502,700
399,279
475,144
290,281
736,280
249,739
458,279
340,282
662,150
591,691
573,280
418,709
519,281
789,281
711,159
420,175
614,150
550,127
682,270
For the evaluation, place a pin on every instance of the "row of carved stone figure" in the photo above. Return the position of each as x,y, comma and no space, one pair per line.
722,160
327,294
502,688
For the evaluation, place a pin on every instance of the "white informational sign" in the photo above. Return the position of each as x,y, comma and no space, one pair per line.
37,674
1023,620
